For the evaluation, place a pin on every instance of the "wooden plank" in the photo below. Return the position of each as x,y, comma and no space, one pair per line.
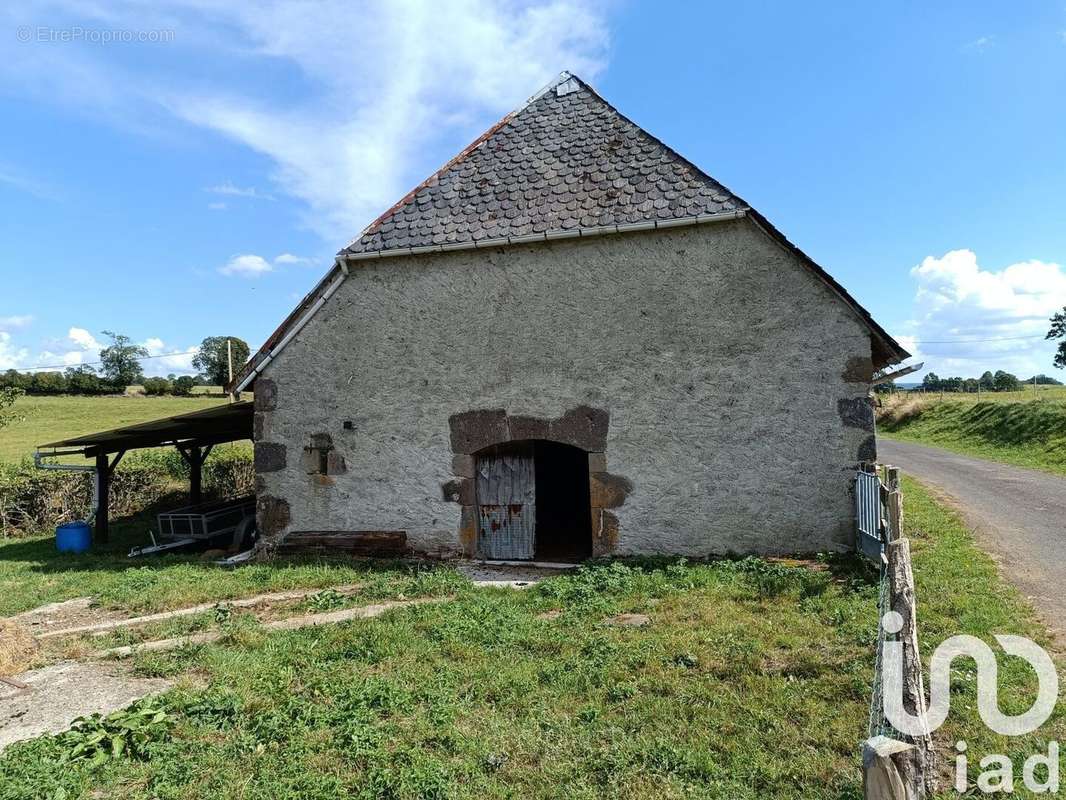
365,543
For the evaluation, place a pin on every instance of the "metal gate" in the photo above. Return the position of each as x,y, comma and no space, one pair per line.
869,516
506,496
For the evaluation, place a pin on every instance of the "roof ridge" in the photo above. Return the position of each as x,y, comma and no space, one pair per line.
560,79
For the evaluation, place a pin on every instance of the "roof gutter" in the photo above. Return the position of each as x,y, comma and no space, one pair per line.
549,236
344,260
321,301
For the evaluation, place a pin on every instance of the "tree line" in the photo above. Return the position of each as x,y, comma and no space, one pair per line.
998,381
120,366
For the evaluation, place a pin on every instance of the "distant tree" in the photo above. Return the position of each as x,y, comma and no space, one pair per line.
183,385
951,384
48,383
13,379
1005,382
8,396
970,385
212,359
83,380
931,382
987,381
121,360
888,387
1058,331
1044,380
157,386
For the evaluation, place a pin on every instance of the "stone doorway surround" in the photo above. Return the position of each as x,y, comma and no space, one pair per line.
582,427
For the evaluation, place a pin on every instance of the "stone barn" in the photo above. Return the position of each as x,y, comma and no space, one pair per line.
567,342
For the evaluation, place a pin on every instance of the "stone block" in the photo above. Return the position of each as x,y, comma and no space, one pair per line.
522,428
269,456
463,465
266,394
472,431
608,491
584,427
272,516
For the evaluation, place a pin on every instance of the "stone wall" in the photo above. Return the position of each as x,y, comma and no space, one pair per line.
718,385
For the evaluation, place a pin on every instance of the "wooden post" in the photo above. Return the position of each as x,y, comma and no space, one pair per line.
882,759
195,456
196,474
103,485
916,767
229,360
894,503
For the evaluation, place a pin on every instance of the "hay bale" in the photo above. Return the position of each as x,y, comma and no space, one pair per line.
17,648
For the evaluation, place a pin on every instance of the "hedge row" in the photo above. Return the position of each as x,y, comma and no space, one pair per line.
34,501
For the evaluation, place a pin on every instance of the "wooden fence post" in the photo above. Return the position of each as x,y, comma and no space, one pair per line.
917,767
883,760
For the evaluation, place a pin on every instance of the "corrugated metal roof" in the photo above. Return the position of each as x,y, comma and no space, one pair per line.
222,423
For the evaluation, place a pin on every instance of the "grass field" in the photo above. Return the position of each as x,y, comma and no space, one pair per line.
1041,392
1029,434
51,418
751,681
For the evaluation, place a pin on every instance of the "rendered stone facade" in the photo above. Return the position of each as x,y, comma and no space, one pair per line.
718,384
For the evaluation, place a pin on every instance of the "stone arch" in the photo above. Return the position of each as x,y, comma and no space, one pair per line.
583,427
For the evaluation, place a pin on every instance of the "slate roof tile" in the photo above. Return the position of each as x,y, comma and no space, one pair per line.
560,162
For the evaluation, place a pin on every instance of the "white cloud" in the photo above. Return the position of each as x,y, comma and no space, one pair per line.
289,258
228,188
83,339
16,179
69,358
11,357
15,322
360,131
968,319
981,43
252,266
246,266
217,206
167,359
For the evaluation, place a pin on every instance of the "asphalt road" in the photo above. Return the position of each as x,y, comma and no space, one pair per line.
1018,515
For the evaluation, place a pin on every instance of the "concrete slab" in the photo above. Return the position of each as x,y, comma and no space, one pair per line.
59,694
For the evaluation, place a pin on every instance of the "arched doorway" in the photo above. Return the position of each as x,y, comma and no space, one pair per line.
533,502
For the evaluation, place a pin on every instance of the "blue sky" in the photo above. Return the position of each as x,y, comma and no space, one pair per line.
198,180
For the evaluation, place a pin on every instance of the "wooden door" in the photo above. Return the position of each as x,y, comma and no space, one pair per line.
506,497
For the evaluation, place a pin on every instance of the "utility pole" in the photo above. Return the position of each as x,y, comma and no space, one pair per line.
229,359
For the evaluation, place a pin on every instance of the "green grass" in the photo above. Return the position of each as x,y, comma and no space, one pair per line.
751,682
1028,434
51,418
32,573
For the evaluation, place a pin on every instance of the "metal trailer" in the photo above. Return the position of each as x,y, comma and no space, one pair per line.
202,522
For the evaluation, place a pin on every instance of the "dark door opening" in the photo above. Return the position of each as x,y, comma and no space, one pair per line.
564,525
533,502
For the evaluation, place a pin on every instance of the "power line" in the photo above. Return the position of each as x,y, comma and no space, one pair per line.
97,363
966,341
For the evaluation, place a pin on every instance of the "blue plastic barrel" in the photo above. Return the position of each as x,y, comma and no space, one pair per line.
73,537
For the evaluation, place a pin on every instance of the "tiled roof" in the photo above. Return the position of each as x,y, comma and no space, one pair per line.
565,160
